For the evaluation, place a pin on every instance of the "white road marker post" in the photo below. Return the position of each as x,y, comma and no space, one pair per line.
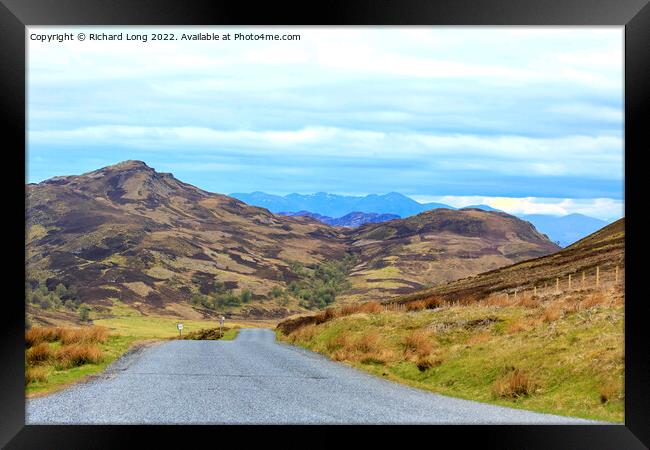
221,319
569,281
557,285
616,280
597,276
180,329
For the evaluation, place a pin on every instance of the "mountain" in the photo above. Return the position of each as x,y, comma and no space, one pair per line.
438,246
333,205
128,233
603,249
352,220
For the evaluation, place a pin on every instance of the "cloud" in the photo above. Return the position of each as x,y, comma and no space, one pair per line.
602,208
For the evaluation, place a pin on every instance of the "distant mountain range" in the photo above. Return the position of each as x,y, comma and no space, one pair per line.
352,220
333,205
353,211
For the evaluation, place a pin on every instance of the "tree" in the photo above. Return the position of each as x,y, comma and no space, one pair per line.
60,290
84,313
245,295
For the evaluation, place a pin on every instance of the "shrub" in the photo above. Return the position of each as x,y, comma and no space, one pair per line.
78,354
419,343
34,374
515,326
514,384
39,353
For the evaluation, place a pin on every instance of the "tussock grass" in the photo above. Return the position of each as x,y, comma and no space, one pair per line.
36,335
77,355
84,335
35,374
418,343
39,354
514,384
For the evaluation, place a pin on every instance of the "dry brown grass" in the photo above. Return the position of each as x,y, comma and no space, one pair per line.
84,335
517,326
371,308
552,313
515,383
417,305
78,354
39,353
594,299
34,374
368,343
342,341
610,391
527,300
304,333
479,338
36,335
500,300
419,343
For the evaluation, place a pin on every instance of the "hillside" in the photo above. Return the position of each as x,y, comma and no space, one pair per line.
511,336
126,234
438,246
129,233
604,249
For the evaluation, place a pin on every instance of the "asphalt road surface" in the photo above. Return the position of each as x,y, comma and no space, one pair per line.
255,380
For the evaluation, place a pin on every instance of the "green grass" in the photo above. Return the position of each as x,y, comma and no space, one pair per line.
572,360
153,327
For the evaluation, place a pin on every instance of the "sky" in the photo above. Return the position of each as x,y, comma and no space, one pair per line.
525,119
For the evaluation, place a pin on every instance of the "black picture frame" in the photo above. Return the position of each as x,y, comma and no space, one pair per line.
15,15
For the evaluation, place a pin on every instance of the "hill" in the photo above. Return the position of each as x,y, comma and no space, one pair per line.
438,246
604,249
129,233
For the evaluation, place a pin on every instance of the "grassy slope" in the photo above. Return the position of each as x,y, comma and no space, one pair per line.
572,359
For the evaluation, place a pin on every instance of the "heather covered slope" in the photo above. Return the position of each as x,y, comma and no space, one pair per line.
130,233
438,246
602,251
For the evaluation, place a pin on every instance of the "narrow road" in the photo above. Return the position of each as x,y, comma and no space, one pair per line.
255,379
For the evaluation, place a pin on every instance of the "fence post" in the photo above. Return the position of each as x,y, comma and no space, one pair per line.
557,285
535,291
515,294
616,274
569,281
597,276
583,279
